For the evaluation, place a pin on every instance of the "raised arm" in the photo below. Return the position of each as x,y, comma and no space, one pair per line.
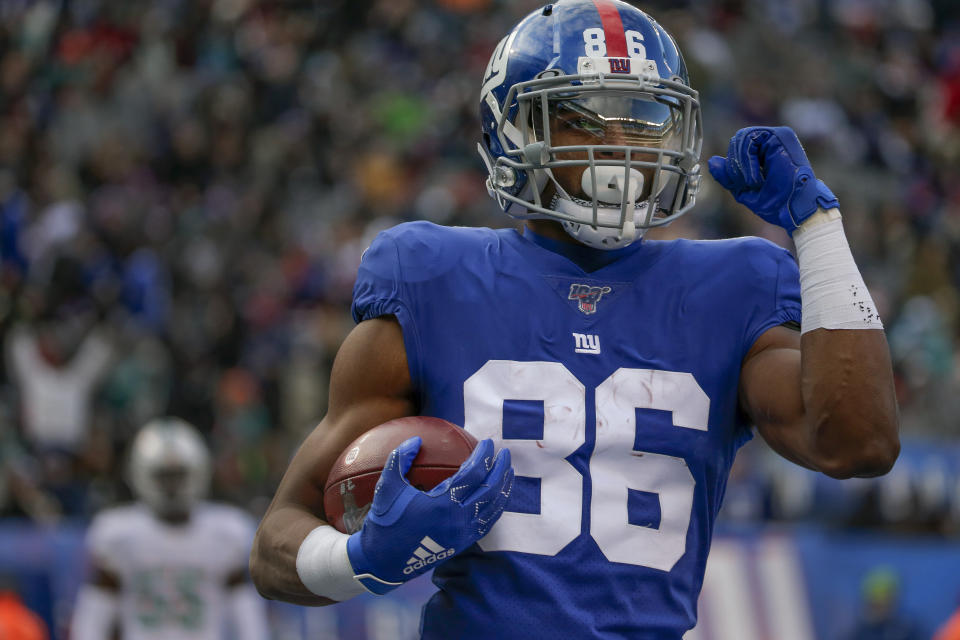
822,397
369,385
824,401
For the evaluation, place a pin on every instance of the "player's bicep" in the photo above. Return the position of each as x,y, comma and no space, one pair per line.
369,384
370,378
770,378
770,392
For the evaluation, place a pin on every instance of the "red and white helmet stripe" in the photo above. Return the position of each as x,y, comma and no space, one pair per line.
615,37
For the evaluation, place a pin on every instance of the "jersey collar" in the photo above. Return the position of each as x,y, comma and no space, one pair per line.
587,258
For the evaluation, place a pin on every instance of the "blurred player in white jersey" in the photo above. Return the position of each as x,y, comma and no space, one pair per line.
169,566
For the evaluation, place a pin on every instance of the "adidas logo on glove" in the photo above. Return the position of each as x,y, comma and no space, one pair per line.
426,553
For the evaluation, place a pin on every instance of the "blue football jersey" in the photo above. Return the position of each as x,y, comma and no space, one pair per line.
616,391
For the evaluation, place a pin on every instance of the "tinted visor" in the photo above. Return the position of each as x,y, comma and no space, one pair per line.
610,118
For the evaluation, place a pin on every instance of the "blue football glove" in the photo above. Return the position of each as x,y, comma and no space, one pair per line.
408,531
767,170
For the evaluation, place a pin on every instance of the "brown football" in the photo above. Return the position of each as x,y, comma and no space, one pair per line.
349,489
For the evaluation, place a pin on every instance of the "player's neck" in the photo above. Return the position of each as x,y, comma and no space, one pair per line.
174,518
551,229
553,238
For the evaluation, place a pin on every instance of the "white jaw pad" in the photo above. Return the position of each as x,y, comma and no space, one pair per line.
609,190
604,237
610,185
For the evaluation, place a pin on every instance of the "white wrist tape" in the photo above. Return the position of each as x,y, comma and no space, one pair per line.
832,291
324,567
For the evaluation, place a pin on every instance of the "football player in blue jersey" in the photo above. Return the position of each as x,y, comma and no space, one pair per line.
610,379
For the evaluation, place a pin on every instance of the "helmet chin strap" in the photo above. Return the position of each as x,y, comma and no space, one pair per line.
609,196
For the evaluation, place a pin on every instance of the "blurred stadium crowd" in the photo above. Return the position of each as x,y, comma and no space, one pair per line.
186,188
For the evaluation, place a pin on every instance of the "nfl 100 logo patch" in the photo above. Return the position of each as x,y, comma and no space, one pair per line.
587,296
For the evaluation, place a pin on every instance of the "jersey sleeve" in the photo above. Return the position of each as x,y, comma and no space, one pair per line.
102,540
381,290
237,532
776,291
378,290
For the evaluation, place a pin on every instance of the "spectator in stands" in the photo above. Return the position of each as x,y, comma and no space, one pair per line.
881,618
56,373
211,171
56,362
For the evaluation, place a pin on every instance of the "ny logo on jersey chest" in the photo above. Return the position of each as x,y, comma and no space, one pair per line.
586,343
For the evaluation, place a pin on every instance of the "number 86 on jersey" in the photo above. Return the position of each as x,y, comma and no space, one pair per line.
615,467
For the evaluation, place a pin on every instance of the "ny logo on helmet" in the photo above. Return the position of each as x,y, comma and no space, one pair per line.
587,296
619,65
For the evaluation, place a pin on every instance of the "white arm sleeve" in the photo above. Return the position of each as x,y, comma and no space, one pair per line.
248,613
94,614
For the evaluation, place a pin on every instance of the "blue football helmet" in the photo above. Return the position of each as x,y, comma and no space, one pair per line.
589,119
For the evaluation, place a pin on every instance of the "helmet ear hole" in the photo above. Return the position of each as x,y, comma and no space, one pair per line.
492,145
